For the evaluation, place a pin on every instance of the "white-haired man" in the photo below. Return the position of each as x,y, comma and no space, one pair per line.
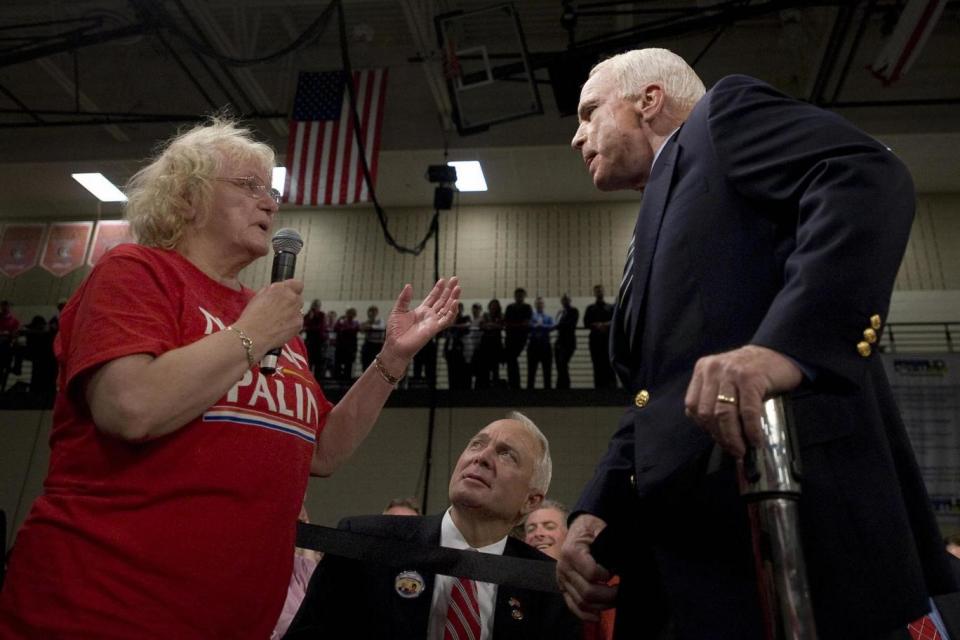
500,477
762,263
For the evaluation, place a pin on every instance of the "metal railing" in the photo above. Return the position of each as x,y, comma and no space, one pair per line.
900,337
906,337
580,367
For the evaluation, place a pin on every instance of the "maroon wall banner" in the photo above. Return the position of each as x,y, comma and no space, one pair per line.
20,248
66,247
109,234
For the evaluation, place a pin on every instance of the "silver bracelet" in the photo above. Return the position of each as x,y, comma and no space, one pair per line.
247,344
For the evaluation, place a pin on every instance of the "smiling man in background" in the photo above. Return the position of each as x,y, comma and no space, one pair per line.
546,527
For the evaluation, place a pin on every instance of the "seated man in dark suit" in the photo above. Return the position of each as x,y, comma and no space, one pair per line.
500,477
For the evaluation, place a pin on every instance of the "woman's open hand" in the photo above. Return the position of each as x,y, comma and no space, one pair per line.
409,329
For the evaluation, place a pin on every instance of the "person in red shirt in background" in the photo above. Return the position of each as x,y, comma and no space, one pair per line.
177,466
9,327
315,337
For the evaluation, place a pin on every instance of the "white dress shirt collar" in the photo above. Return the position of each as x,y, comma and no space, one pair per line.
660,148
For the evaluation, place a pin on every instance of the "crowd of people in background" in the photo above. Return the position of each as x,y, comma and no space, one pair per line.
477,347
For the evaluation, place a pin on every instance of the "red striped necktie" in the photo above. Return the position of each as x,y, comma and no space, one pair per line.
924,629
463,614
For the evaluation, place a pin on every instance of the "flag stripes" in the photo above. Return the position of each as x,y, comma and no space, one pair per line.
323,159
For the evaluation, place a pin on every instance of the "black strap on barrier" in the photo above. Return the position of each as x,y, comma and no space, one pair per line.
536,575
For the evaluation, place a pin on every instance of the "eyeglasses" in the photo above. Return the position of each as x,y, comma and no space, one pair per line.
256,188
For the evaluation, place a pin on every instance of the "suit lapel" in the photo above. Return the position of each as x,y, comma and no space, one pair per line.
505,627
414,614
512,605
647,231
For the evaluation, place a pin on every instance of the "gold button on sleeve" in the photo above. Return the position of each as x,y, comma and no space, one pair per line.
863,348
870,336
642,398
875,321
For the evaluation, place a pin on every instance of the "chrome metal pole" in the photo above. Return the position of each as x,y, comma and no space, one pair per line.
770,483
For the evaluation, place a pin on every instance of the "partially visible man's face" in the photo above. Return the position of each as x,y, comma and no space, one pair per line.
545,530
598,292
400,510
539,305
494,472
610,137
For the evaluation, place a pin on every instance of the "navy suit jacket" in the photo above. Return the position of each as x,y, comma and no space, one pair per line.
767,221
352,599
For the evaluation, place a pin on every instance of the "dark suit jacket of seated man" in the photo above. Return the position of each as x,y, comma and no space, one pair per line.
500,477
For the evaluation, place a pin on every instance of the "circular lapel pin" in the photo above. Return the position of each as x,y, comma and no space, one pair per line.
408,584
515,612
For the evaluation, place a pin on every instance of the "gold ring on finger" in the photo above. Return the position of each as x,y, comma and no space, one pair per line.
726,399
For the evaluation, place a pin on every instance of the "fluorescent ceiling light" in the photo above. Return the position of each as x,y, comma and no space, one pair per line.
103,189
469,176
279,178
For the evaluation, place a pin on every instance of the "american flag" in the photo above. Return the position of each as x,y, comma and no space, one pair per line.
323,163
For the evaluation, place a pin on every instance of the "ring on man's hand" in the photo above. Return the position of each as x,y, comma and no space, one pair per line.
726,399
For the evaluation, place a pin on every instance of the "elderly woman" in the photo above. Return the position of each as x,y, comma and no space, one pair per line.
177,468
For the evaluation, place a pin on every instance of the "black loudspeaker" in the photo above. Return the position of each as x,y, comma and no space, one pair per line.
442,173
443,198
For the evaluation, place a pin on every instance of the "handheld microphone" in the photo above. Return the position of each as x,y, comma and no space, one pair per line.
286,245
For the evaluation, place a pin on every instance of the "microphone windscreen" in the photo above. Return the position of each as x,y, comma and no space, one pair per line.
287,241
